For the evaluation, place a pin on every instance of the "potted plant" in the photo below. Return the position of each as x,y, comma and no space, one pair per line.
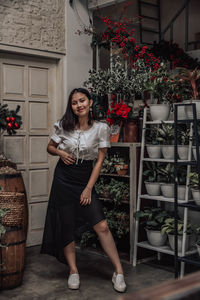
195,187
169,228
151,179
120,165
167,178
153,219
192,76
165,136
118,191
108,166
183,141
102,189
182,175
153,146
159,86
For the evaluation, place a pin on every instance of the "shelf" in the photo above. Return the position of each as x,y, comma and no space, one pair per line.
111,200
114,175
121,144
191,259
179,162
160,122
192,205
164,249
161,198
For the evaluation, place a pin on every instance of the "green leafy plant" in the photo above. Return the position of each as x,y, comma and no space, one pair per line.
169,227
165,134
88,238
118,191
153,217
194,180
151,172
183,136
167,173
118,222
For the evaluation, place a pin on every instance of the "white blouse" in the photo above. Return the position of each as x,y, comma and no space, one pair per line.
83,144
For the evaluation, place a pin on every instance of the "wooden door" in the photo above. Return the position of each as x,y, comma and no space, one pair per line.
31,83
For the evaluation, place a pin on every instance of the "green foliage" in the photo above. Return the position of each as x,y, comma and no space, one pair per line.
151,172
165,134
110,161
118,222
169,227
183,136
89,238
194,180
167,173
153,217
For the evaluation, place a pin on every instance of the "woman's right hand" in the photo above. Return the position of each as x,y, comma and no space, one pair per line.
67,158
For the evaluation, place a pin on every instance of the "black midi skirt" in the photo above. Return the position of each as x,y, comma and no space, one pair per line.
64,208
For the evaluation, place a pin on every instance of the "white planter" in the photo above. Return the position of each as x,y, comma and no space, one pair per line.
156,238
167,190
181,192
196,196
152,188
180,238
194,152
154,151
159,112
198,249
168,151
189,110
183,152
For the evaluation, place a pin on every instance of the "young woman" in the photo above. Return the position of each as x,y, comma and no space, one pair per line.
78,140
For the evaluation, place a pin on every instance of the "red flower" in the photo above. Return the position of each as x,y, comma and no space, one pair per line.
7,119
9,125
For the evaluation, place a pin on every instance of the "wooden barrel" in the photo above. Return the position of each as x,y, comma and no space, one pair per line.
12,258
14,183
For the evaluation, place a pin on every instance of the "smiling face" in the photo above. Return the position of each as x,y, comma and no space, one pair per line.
81,105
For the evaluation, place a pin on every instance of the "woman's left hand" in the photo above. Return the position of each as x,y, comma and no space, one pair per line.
85,197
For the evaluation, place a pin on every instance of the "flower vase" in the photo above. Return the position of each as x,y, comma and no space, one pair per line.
130,132
115,132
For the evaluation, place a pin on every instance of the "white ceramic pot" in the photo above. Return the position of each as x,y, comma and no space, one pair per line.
180,238
168,151
198,249
152,188
159,112
154,151
189,110
167,190
156,238
182,191
181,113
183,152
194,152
196,196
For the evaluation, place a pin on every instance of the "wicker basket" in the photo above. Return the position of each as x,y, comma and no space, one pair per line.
13,202
7,163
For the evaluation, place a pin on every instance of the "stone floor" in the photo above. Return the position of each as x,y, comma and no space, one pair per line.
45,278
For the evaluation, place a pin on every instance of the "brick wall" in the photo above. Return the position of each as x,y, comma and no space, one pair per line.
36,24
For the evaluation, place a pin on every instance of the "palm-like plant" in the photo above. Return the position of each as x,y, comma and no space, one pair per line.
191,77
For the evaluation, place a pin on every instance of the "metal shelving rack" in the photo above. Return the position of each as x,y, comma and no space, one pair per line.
132,179
185,257
144,244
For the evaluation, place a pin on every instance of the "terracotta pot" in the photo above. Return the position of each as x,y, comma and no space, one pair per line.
121,171
114,133
131,132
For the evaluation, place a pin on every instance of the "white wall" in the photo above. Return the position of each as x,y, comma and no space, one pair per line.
78,59
168,10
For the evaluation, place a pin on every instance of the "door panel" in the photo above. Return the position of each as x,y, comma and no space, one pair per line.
28,83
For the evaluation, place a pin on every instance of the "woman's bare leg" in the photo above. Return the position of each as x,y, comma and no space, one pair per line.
70,256
108,244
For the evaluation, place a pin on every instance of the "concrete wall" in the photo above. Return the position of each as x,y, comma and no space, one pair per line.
79,52
35,24
168,11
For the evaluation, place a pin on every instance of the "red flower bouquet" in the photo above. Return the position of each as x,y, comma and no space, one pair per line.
118,113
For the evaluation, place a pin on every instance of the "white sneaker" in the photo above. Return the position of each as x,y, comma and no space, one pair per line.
74,281
118,282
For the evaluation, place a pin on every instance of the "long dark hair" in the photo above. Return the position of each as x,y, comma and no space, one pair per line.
69,119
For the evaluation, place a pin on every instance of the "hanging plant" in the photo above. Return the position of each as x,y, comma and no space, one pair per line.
10,121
